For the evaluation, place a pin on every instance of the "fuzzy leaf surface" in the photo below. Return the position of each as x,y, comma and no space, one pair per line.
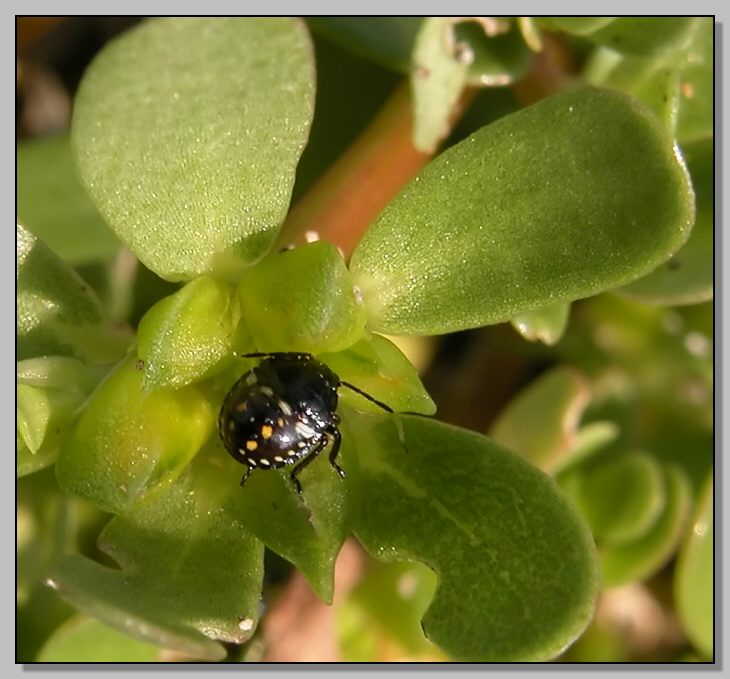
516,565
187,132
577,194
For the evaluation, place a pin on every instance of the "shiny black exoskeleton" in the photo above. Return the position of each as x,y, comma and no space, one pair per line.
283,412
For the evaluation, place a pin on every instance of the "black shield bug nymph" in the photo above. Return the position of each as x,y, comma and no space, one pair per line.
283,412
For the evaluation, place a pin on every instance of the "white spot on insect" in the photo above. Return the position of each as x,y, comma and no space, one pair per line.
285,408
265,462
251,461
231,425
278,458
251,379
266,390
300,444
304,430
245,625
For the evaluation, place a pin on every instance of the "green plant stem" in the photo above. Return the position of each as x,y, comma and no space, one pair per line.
351,194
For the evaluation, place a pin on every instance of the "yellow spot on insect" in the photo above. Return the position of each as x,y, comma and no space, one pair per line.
280,421
251,445
266,431
241,407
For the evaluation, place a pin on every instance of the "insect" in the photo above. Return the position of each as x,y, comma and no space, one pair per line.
283,412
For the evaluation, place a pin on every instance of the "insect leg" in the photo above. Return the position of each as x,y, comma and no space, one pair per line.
335,432
310,456
246,475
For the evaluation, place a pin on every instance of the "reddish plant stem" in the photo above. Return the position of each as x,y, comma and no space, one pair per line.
374,169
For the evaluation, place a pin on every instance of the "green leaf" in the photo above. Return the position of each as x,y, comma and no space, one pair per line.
437,81
694,580
57,313
641,558
188,336
622,497
376,365
385,40
128,439
53,205
546,325
697,103
515,563
688,276
452,52
50,391
84,639
577,194
187,133
647,36
190,573
302,300
541,422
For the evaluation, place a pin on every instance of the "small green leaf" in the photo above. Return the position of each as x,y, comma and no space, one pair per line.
188,336
187,133
57,313
546,325
577,194
189,572
376,365
641,558
128,439
647,36
84,639
622,497
515,563
50,390
302,300
694,580
541,422
437,81
53,205
688,276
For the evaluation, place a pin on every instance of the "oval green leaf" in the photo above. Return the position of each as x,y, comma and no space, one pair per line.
694,581
577,194
189,572
187,133
641,558
481,518
57,312
189,335
128,439
302,300
52,203
697,102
